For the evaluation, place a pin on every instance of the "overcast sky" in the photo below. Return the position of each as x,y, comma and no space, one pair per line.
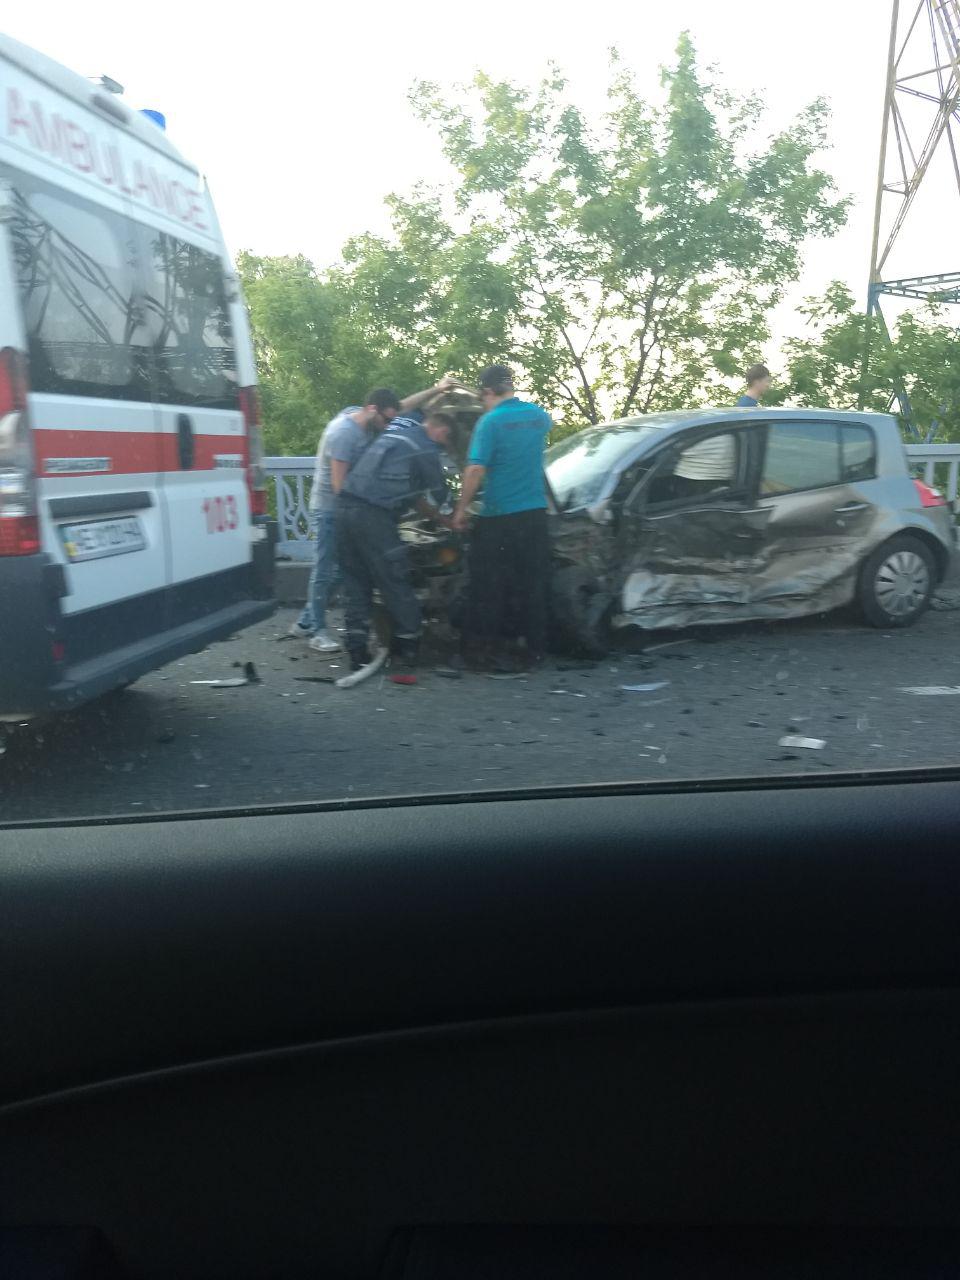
299,115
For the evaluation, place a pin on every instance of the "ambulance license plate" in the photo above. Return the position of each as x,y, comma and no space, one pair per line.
95,539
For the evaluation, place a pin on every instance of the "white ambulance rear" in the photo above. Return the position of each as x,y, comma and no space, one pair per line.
133,522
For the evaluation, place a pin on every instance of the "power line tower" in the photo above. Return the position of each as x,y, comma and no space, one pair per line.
921,120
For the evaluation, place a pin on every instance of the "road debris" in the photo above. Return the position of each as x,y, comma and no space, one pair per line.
365,672
234,682
932,690
402,680
448,673
797,740
569,692
645,688
316,679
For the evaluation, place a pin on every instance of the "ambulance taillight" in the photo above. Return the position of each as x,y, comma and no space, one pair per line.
19,530
256,472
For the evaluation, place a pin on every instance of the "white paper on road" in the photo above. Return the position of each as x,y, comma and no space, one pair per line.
797,740
932,690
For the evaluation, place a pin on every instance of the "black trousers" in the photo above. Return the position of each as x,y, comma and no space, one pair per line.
509,565
372,555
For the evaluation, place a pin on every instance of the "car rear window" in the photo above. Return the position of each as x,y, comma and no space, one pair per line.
859,453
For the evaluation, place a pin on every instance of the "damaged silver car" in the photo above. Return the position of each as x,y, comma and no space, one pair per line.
728,515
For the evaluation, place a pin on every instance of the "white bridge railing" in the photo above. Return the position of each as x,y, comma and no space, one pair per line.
292,480
937,464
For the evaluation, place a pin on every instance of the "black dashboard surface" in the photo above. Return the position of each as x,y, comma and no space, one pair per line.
272,1045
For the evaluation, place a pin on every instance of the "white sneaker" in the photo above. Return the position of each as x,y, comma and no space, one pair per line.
301,633
324,643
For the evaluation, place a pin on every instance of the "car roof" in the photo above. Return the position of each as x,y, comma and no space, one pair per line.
675,420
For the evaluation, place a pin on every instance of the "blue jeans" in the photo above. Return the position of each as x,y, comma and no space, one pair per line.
323,526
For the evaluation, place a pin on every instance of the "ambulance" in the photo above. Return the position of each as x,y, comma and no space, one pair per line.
133,519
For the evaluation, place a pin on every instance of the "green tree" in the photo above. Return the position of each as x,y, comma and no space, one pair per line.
645,249
922,353
297,320
396,311
624,265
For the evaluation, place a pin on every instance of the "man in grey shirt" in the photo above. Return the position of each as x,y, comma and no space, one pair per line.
344,439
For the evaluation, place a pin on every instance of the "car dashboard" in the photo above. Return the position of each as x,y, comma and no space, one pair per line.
714,1033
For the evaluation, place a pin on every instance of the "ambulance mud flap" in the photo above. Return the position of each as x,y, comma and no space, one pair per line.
263,561
28,633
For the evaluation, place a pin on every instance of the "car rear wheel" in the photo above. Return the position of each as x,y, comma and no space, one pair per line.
896,582
580,613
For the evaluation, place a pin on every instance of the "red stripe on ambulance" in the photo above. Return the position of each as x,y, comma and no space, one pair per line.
130,452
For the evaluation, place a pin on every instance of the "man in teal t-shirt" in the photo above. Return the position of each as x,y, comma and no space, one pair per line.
509,551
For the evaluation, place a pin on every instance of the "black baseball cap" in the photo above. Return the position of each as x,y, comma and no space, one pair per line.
497,377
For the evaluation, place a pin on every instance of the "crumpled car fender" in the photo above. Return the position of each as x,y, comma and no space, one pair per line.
776,584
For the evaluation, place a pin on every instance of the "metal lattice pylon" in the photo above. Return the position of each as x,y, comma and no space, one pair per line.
924,34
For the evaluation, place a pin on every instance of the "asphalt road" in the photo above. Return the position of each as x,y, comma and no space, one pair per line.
723,699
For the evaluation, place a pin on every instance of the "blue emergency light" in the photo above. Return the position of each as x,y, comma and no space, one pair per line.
158,118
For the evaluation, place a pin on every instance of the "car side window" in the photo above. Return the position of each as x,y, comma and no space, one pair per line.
800,455
75,268
708,467
859,453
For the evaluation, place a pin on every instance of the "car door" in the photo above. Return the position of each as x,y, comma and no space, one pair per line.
97,456
818,513
690,549
200,423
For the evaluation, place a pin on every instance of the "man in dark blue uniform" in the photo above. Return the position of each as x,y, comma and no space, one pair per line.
402,468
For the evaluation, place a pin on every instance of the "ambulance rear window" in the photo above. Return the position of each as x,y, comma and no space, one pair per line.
76,276
189,319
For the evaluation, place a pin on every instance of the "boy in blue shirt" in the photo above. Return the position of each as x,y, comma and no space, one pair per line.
509,548
757,379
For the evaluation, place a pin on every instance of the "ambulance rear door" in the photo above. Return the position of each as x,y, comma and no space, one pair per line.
187,291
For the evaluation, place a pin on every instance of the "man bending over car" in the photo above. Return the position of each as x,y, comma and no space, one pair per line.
400,469
342,442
